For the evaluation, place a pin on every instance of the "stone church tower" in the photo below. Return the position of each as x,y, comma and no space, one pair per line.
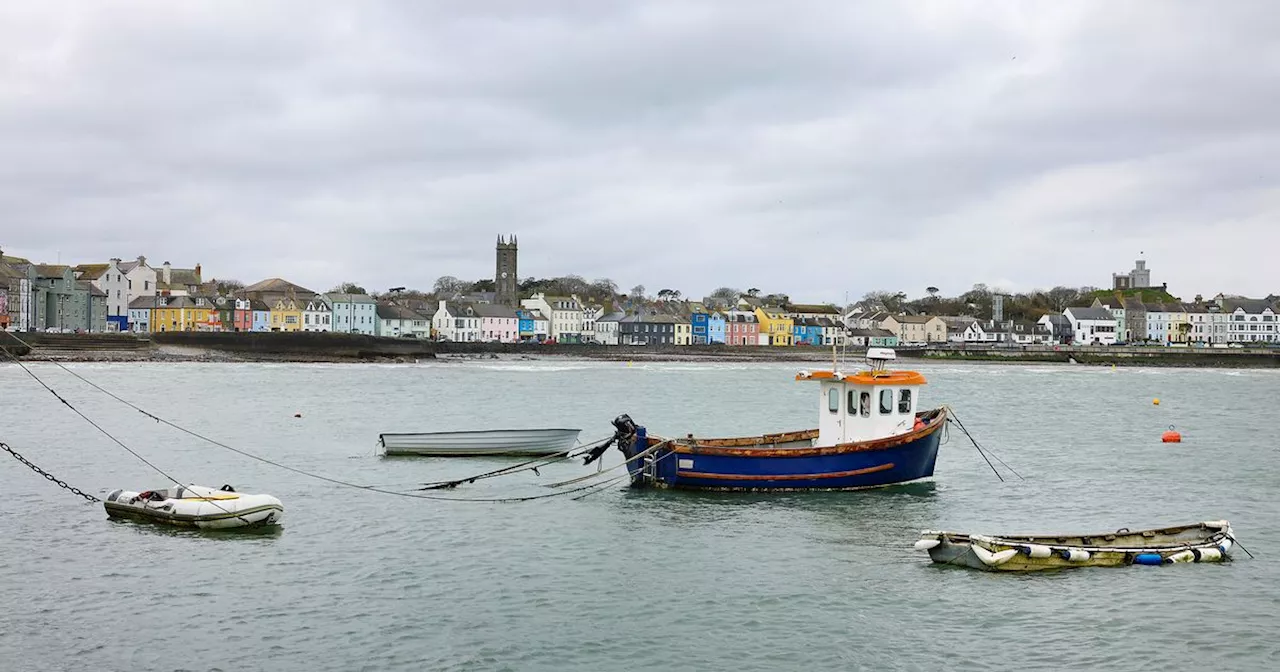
506,284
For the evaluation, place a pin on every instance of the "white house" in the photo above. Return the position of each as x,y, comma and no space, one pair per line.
1208,322
1250,321
976,333
457,322
317,314
833,331
606,328
110,279
1092,326
1057,326
565,315
353,313
541,325
395,321
590,314
140,279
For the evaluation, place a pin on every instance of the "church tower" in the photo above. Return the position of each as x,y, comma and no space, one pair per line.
506,286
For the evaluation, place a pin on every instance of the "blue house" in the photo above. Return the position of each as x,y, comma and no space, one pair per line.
715,329
526,325
807,331
700,322
261,315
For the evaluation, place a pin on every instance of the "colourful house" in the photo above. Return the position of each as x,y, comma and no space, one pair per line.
716,328
684,331
286,314
699,323
776,326
806,331
184,313
525,328
741,328
261,315
242,315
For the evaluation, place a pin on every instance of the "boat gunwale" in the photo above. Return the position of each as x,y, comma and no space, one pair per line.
1214,538
156,514
722,447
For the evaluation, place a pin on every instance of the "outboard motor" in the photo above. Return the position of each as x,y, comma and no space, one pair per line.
624,434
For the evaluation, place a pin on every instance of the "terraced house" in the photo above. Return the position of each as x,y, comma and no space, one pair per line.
776,325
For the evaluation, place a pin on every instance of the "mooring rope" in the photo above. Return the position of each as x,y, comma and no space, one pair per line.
531,465
982,451
648,451
301,472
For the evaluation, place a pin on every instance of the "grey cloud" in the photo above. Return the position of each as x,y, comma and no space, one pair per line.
816,148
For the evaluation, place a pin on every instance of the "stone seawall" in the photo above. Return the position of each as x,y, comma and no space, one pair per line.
1110,355
300,345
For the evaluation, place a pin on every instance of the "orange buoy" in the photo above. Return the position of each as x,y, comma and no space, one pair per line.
1171,436
1155,402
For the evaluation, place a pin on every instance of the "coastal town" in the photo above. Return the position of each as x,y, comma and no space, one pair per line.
139,297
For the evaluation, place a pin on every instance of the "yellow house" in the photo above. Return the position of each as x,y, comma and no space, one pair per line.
776,325
286,315
182,313
684,331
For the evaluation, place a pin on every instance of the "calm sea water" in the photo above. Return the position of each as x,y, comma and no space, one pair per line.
627,580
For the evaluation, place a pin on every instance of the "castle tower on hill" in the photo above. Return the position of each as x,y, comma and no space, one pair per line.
506,284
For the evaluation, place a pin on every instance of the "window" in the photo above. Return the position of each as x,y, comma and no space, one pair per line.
886,402
904,402
864,404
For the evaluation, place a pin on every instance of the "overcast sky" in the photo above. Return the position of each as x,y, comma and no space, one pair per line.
812,148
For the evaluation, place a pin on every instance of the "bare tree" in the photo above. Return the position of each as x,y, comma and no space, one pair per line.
637,293
447,286
724,296
349,288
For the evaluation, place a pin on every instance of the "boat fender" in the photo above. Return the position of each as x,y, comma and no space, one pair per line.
1225,546
927,544
1074,554
1038,551
993,559
1206,554
1184,556
1148,559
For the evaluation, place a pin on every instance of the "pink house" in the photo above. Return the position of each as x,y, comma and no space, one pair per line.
498,324
741,328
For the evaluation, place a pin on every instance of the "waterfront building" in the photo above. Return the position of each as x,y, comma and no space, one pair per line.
916,329
317,314
353,313
872,338
110,280
776,326
458,322
1092,325
565,315
683,330
716,327
606,328
140,314
395,321
498,323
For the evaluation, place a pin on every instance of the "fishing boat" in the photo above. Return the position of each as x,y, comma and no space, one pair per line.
870,433
1198,542
196,506
530,442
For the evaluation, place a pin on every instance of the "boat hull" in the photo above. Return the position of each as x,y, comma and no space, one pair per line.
1201,542
196,507
481,443
791,464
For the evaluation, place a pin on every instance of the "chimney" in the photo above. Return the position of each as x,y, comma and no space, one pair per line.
167,274
115,260
142,261
198,272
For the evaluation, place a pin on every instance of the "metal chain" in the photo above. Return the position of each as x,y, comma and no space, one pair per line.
74,490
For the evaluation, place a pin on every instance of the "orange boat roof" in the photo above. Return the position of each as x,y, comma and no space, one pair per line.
867,377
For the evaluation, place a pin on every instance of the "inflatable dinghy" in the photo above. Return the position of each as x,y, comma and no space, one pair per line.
196,506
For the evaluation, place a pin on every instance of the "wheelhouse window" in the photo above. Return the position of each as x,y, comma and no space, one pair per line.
886,402
865,404
853,403
904,402
833,400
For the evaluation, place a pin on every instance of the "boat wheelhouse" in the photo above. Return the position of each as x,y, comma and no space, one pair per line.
870,433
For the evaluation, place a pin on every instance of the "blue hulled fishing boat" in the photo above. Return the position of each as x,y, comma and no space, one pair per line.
870,433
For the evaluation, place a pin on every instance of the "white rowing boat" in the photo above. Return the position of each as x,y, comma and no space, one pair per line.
196,506
480,442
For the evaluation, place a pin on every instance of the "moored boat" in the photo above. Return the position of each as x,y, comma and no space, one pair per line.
1198,542
870,433
196,506
532,442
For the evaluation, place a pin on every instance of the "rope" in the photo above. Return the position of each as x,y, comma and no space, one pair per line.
105,433
540,461
648,451
982,451
261,459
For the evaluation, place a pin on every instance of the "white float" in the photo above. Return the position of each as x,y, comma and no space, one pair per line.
196,506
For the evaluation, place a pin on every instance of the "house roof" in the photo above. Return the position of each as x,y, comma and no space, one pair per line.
11,270
879,333
826,309
91,271
1251,306
741,318
322,300
1090,313
180,277
6,259
391,311
50,270
615,316
272,286
143,302
493,310
915,319
339,297
86,286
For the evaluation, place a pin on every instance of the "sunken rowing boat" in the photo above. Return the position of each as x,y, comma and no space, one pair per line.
870,433
1198,542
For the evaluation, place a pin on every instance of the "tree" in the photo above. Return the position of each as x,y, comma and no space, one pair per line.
447,286
349,288
890,301
483,286
753,292
724,296
933,292
604,289
637,293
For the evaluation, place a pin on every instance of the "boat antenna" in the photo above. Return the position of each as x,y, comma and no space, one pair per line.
844,329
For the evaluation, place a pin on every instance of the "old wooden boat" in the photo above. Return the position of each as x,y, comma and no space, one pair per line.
1198,542
196,506
530,442
870,433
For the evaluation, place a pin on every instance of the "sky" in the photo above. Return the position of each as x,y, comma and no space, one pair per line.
821,149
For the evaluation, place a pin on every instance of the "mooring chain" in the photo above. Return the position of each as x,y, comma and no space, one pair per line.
61,483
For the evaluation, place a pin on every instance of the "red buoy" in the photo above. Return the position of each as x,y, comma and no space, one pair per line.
1171,436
